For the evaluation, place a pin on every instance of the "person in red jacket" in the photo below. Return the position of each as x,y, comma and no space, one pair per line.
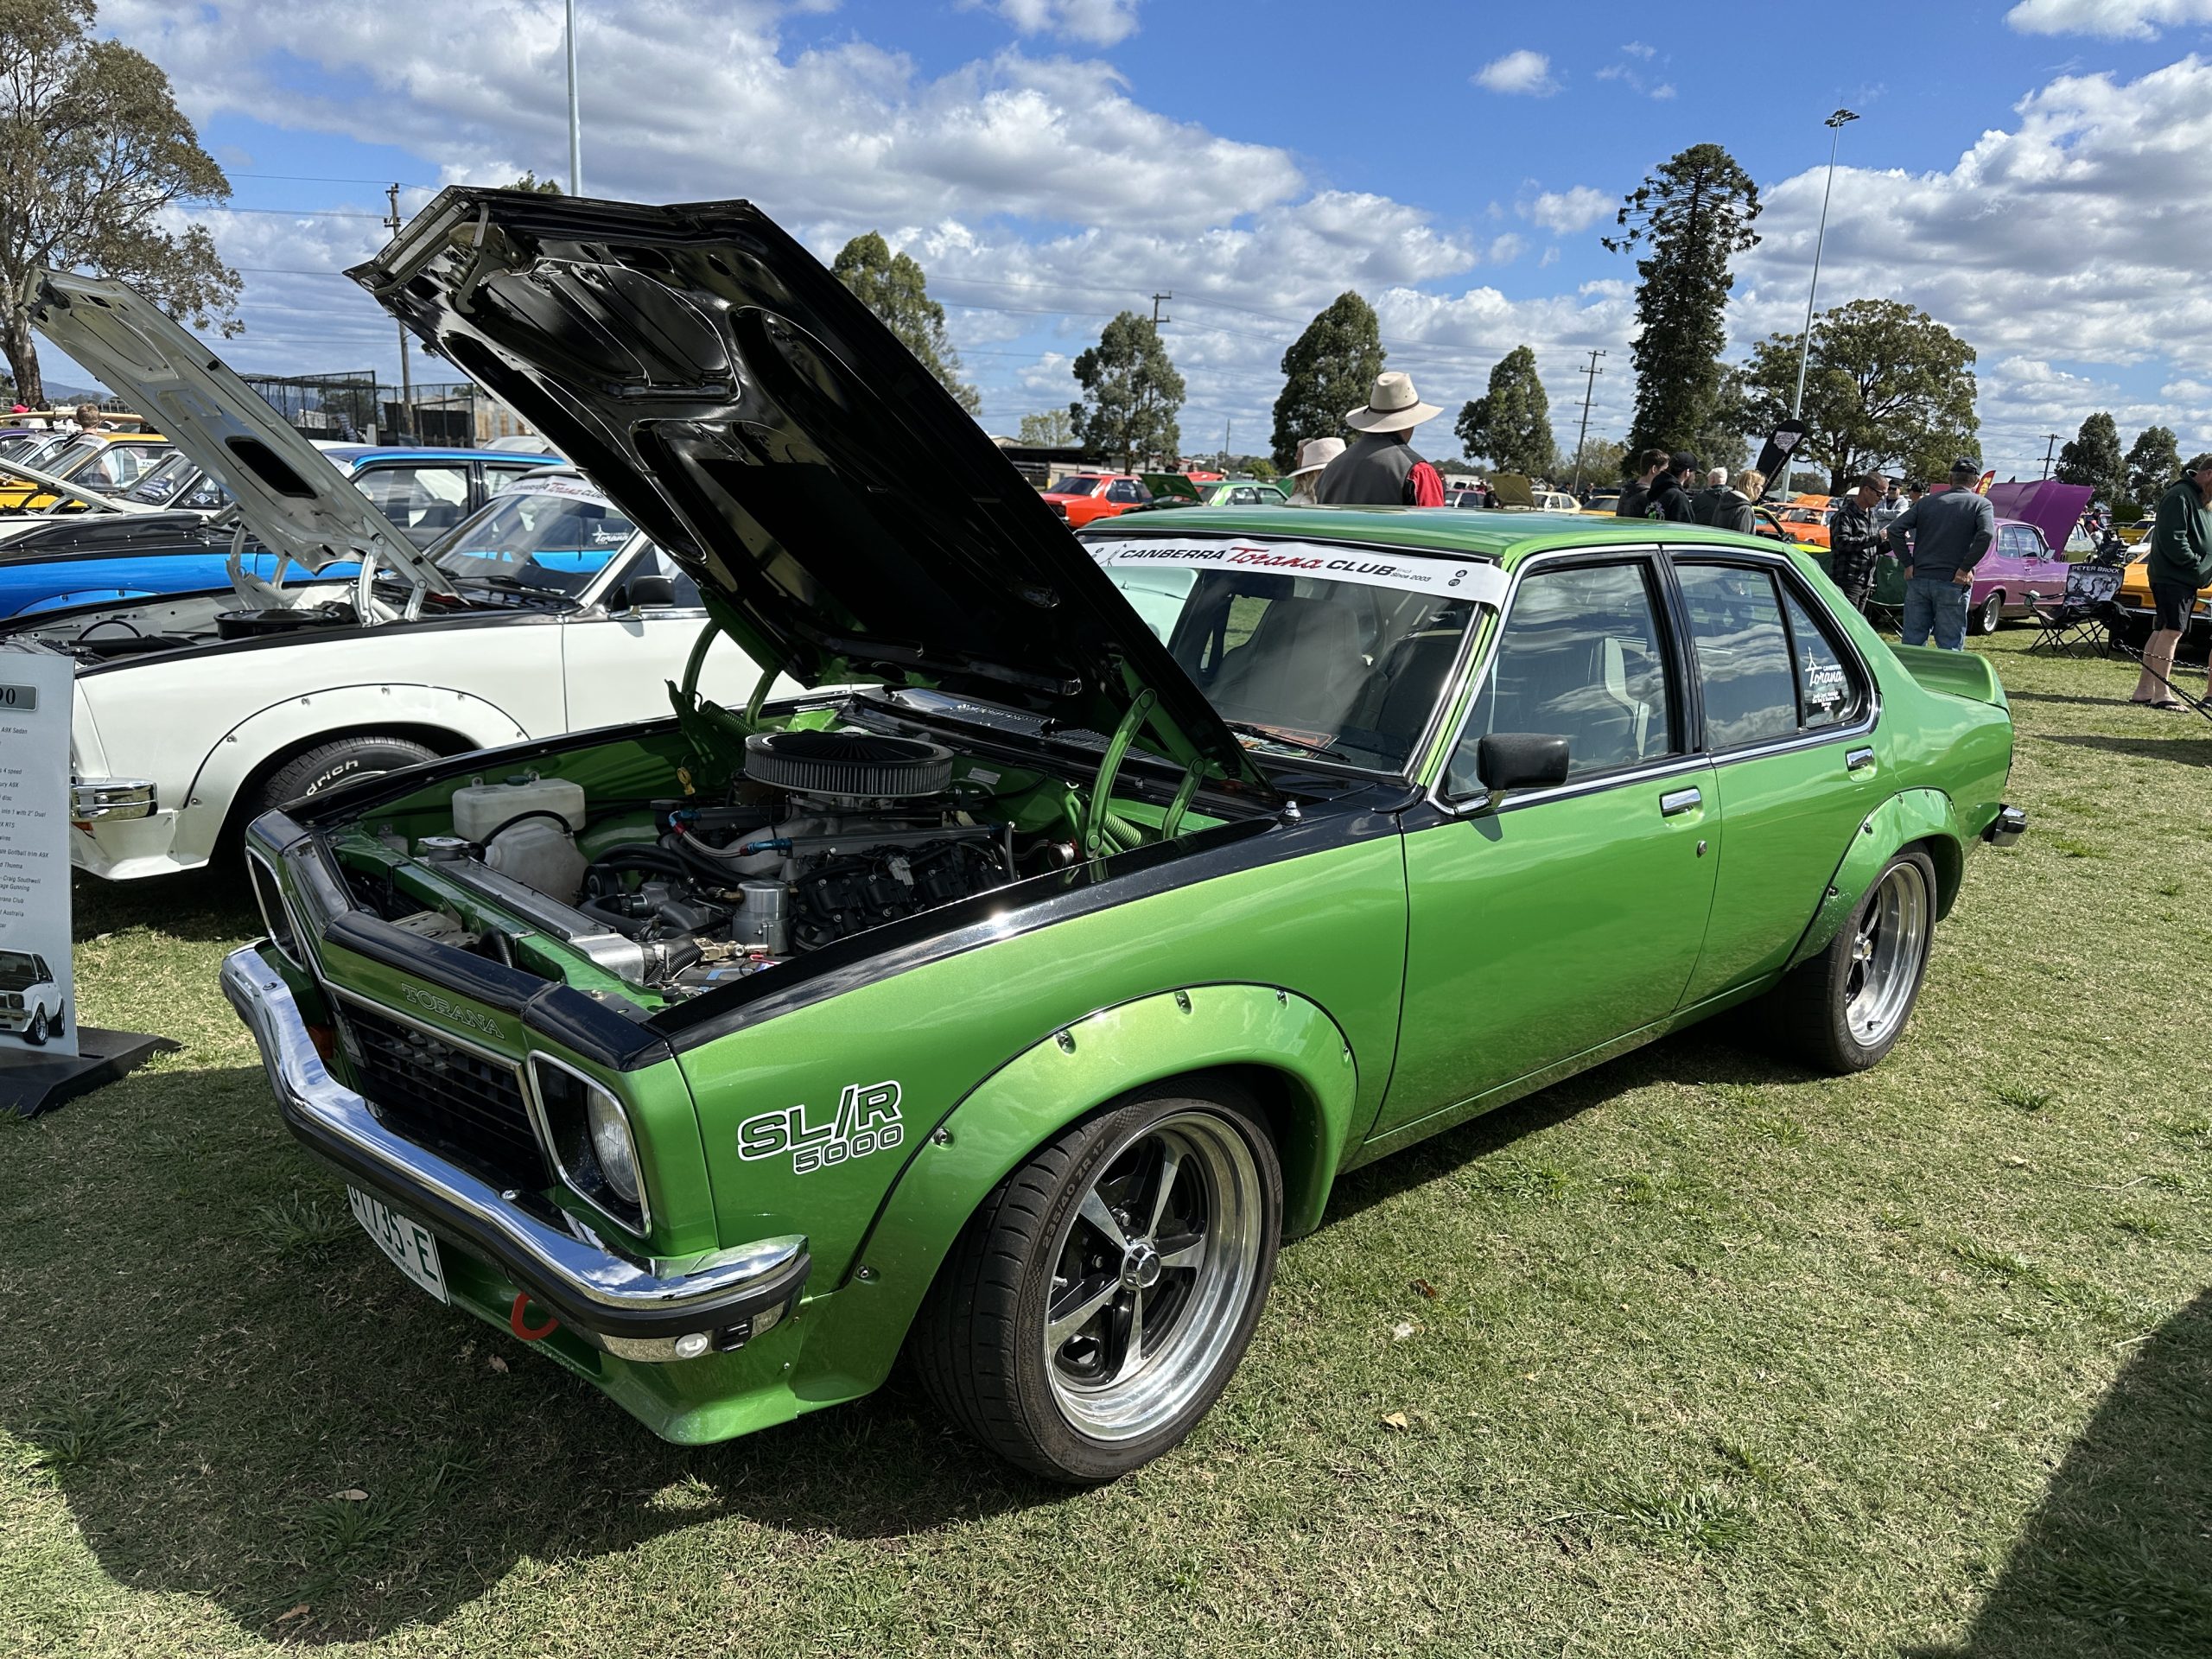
1380,469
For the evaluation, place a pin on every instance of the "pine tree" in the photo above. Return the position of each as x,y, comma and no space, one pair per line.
1690,217
2093,458
1511,424
893,286
1131,394
1329,369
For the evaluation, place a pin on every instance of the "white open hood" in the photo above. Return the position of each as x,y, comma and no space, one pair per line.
289,494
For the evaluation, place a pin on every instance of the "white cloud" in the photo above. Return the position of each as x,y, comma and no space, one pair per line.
2117,20
1565,212
1102,22
1504,249
1638,49
1665,89
1523,72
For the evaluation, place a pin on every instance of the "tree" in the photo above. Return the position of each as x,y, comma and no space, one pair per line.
893,286
2153,465
1719,440
2094,458
529,181
1257,466
1886,387
1604,461
1512,423
1130,394
1690,217
1329,369
92,147
1050,429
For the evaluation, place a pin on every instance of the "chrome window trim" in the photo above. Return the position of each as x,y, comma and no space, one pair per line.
534,1106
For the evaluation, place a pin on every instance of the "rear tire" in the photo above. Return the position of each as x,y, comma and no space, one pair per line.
1842,1010
1102,1295
341,761
1989,614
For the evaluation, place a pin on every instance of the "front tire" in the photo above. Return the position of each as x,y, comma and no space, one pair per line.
1842,1010
36,1032
1103,1296
341,761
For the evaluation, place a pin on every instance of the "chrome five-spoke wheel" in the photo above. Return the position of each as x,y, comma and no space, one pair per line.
1101,1297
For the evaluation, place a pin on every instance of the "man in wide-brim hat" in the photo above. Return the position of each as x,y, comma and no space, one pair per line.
1379,467
1313,455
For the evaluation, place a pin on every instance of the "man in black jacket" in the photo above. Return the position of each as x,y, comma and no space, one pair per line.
1670,495
1706,501
1638,493
1854,540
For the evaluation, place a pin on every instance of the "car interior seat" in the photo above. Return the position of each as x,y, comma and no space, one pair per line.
1302,666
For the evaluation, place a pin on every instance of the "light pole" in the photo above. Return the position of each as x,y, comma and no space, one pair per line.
575,126
1835,123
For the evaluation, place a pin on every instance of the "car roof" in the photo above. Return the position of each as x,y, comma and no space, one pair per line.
1508,537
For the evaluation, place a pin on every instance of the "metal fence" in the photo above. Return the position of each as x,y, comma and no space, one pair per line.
356,407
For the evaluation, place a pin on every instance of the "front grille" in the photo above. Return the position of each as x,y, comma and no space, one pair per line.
444,1097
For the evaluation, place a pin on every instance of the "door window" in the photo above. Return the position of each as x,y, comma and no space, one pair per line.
1829,691
1127,490
1764,678
1579,656
422,501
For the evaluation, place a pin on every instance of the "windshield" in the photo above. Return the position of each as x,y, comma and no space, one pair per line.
1346,663
67,456
556,535
1077,486
19,970
159,487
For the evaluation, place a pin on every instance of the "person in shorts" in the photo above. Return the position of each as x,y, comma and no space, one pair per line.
2178,563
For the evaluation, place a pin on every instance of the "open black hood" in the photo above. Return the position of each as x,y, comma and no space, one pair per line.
756,420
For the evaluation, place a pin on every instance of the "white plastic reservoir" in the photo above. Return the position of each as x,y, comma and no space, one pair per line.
478,808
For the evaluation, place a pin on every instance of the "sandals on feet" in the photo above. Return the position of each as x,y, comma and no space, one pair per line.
2170,704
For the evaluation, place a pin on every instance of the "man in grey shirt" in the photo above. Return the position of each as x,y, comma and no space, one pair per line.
1950,532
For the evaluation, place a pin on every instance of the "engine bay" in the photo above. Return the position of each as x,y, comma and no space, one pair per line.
819,834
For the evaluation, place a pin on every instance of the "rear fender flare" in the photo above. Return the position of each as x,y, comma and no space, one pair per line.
1910,816
1284,1047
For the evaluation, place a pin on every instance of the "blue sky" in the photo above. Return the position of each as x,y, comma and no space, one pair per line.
2018,170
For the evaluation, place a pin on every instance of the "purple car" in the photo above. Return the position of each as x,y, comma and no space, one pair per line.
2021,563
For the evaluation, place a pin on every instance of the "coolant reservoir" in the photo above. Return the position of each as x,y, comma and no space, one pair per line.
478,808
541,856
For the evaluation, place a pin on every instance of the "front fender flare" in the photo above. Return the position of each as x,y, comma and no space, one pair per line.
1910,815
1041,1092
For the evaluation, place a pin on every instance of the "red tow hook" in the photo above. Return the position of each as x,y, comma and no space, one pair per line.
529,1332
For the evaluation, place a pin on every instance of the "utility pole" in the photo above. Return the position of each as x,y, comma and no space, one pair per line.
406,384
1228,426
2047,450
1156,318
576,125
1583,438
1835,124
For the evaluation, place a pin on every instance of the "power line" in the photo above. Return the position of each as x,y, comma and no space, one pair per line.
299,212
324,178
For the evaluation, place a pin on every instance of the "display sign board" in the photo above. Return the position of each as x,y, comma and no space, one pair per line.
38,1005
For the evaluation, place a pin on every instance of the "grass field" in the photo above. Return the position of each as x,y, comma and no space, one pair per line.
1696,1354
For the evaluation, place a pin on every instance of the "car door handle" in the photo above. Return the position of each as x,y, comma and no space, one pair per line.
1858,760
1675,802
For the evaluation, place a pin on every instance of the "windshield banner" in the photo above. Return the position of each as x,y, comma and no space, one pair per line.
582,489
38,1009
1414,572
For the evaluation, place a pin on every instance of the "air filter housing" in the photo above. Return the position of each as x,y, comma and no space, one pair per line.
849,766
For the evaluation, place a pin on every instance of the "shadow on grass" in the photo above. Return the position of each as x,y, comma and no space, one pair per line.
2013,696
1724,1050
203,907
2118,1559
2183,748
245,1404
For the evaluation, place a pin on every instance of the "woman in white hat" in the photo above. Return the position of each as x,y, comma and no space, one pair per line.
1379,468
1314,453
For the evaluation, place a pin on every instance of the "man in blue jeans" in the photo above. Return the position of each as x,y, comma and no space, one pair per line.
1950,531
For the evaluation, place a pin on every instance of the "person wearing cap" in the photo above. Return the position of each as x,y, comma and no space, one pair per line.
2178,563
1854,538
1379,468
1314,453
1670,491
1950,531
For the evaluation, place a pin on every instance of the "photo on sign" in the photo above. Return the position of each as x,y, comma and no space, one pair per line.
38,1012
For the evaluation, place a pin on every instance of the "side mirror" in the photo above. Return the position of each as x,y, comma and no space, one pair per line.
642,593
1510,760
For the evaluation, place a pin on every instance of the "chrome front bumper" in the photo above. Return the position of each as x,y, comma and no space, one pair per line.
637,1308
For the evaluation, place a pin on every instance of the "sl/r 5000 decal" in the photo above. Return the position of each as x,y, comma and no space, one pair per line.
866,1121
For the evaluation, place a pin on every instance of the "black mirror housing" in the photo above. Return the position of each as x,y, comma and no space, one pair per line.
641,593
1507,761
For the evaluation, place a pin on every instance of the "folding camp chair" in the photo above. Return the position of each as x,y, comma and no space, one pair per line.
2082,616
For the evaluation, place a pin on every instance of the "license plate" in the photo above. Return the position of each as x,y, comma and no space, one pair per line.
408,1242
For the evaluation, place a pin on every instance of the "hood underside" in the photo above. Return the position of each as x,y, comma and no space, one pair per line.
845,519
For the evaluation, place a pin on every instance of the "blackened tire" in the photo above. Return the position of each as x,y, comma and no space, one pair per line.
36,1032
1089,1315
1842,1010
339,761
1988,614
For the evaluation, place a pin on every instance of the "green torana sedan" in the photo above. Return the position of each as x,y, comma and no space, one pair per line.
1011,998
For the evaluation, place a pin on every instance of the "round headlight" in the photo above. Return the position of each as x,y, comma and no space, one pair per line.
610,1143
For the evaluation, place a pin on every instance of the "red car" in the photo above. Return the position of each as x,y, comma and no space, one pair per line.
1081,497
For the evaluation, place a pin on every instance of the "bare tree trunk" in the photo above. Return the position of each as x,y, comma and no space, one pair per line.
20,347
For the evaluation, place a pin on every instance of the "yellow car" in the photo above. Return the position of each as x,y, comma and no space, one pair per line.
2136,614
106,461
